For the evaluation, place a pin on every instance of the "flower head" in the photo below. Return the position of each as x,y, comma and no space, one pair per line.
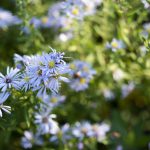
7,19
30,139
115,45
45,122
81,73
12,79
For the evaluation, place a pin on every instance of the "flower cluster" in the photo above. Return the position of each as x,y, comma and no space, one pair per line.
62,14
7,19
81,73
81,131
41,73
115,45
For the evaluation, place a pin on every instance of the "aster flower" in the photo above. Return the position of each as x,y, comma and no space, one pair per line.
57,16
46,22
66,36
81,73
35,22
100,131
80,146
45,122
115,45
43,73
74,9
4,108
54,82
118,74
81,130
7,19
65,133
90,6
146,30
127,88
25,82
53,100
30,139
108,94
53,62
146,4
12,79
119,147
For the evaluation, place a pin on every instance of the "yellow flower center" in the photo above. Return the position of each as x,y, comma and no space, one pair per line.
72,66
51,64
75,11
26,79
114,44
44,20
53,100
82,80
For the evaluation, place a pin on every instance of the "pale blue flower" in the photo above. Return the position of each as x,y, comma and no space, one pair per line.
145,3
90,6
4,108
65,36
35,22
30,139
65,132
115,45
100,131
146,30
119,147
7,19
25,82
74,9
12,79
81,73
57,16
45,122
46,22
82,130
80,146
53,100
127,88
43,73
108,94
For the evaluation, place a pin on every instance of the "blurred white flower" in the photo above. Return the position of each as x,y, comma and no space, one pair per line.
64,37
145,3
118,74
108,94
127,88
100,131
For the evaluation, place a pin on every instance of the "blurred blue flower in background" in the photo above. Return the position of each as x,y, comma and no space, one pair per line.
7,19
45,122
53,100
115,45
127,88
81,73
146,30
29,139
